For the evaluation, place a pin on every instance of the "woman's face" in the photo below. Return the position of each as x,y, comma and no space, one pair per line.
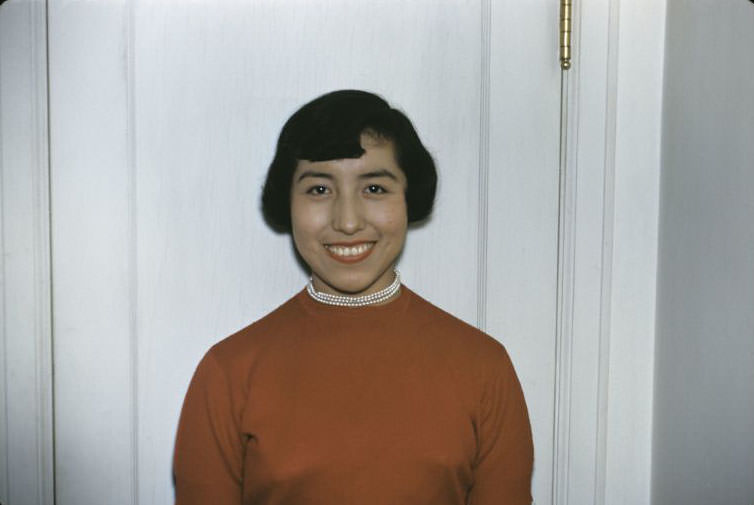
349,218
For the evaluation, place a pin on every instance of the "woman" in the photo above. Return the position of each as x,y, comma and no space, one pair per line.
356,390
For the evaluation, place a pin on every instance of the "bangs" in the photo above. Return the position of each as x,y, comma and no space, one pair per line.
342,140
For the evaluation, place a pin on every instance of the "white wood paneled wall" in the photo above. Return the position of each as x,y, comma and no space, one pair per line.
166,117
163,117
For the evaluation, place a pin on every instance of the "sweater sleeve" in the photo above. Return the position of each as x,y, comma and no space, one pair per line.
208,455
503,470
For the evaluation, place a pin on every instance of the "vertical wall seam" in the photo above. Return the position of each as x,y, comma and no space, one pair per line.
566,269
565,292
132,254
560,442
52,493
608,215
37,278
3,321
657,238
484,164
42,258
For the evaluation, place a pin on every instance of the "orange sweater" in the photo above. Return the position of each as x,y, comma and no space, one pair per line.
318,405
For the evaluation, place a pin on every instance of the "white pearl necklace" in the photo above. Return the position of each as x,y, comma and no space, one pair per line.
356,301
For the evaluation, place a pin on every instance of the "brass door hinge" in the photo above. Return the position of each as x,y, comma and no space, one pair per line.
565,34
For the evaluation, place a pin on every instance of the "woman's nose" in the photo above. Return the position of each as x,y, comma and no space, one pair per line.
348,215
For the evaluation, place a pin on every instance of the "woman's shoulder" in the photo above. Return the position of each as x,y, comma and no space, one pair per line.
467,352
427,313
253,339
439,323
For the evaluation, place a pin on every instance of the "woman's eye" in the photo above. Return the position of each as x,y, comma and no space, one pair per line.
375,189
317,190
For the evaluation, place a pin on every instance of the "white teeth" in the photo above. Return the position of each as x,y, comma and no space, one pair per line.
349,251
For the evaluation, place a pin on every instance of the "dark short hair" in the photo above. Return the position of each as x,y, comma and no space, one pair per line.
329,128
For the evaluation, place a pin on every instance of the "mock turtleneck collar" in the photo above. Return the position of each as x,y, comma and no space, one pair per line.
395,306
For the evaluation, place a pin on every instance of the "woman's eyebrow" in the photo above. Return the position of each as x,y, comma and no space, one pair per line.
378,173
310,173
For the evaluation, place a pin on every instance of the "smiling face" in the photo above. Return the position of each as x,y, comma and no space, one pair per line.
349,218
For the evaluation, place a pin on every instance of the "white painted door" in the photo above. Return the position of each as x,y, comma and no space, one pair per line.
163,118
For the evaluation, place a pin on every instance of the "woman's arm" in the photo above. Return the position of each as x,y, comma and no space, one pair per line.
503,470
208,455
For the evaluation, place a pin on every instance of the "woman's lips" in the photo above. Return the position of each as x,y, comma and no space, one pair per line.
349,253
